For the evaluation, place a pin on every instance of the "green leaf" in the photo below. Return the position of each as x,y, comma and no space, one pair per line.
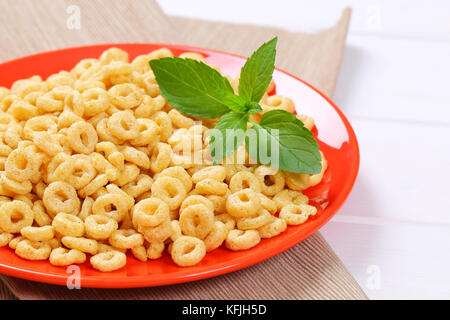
233,101
253,107
191,86
282,141
257,72
227,135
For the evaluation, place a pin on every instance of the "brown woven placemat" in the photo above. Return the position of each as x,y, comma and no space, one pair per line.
309,270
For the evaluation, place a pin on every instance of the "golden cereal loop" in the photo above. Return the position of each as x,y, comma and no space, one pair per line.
196,220
111,205
317,178
77,171
40,215
242,240
113,54
140,64
62,257
13,135
179,120
244,203
192,55
140,253
128,174
82,137
23,110
176,230
123,125
14,241
170,190
109,261
179,173
160,233
61,197
165,125
270,179
44,233
135,156
272,229
160,53
142,184
102,165
102,247
39,124
155,250
216,237
68,225
3,93
29,250
15,215
297,214
96,184
96,100
55,242
268,204
104,134
196,199
243,180
22,164
215,172
82,244
5,238
6,120
150,105
52,101
47,143
62,78
13,186
84,85
249,223
308,122
125,96
188,251
277,102
161,157
112,188
148,132
126,239
287,197
100,227
84,66
150,212
228,220
211,187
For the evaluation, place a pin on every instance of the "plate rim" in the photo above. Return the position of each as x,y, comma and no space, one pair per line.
144,281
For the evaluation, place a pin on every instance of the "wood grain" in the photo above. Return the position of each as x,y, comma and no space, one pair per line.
310,270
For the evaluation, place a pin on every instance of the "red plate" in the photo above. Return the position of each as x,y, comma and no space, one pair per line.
333,131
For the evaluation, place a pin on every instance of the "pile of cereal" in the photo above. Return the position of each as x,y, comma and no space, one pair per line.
90,163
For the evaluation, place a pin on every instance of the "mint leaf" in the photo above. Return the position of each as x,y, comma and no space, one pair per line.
191,86
233,101
253,107
257,72
282,141
227,135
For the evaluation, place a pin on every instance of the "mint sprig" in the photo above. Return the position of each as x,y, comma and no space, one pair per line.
279,139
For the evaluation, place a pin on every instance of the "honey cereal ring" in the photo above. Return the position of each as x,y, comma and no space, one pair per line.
96,100
273,228
126,239
142,184
270,179
82,137
215,172
44,233
150,212
297,214
86,208
287,197
98,182
155,250
123,125
111,205
160,233
242,240
16,187
21,164
78,171
113,54
243,203
135,156
228,220
176,230
179,120
165,125
196,220
188,251
196,199
14,241
108,261
268,204
68,225
243,180
216,237
15,215
161,157
5,238
179,173
170,190
148,132
125,96
60,197
29,250
128,174
82,244
100,227
140,253
62,257
40,215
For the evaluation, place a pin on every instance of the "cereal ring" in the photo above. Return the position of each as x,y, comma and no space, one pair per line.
44,233
160,233
125,96
126,239
243,203
68,225
29,250
111,205
161,157
268,204
40,215
262,218
188,251
196,199
61,197
155,250
165,125
123,125
228,220
243,180
78,171
128,174
297,214
196,220
242,240
81,244
21,165
109,261
142,184
14,241
5,238
15,215
216,237
140,253
14,186
96,184
215,172
179,120
113,54
96,100
82,137
100,227
62,257
148,132
272,229
150,212
270,179
179,173
211,187
135,156
170,190
287,197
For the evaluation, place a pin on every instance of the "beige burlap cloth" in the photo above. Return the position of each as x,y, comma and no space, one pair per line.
309,270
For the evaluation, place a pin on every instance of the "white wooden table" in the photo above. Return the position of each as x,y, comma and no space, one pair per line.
393,233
